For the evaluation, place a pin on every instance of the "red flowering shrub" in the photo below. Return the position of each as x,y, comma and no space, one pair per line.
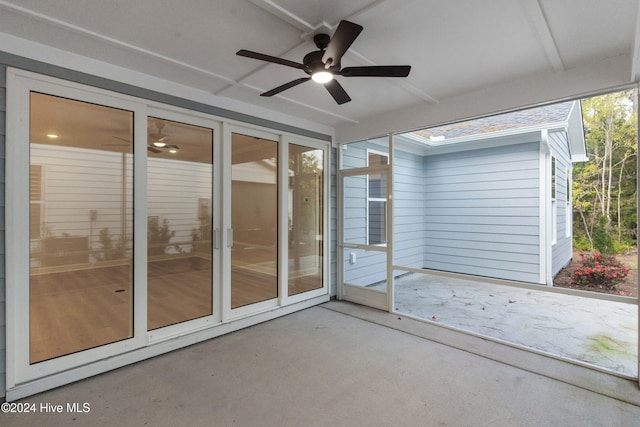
599,270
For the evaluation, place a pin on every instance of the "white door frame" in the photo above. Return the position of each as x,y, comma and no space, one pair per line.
383,300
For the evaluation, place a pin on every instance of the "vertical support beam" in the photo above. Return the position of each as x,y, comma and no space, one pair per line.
339,225
283,220
390,284
637,203
225,176
545,214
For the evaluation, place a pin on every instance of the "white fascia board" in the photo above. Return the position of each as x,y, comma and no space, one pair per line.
575,134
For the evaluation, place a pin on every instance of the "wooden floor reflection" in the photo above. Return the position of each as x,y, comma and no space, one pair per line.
76,310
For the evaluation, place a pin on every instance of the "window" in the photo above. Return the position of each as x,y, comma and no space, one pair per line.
377,199
554,203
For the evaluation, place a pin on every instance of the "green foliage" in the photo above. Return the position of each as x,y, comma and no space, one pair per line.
158,236
599,271
109,250
581,243
602,241
605,186
621,247
202,235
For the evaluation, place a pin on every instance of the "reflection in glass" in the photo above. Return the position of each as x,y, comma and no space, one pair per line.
254,217
179,234
305,218
80,226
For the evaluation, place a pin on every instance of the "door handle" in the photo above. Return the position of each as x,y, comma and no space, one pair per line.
216,238
229,237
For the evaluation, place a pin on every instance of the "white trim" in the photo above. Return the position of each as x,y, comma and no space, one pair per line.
545,207
282,218
368,152
389,229
362,295
568,232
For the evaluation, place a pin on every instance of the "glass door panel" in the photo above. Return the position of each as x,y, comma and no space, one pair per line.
179,224
254,219
305,218
80,226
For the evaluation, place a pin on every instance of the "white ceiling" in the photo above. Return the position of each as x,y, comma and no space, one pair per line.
455,47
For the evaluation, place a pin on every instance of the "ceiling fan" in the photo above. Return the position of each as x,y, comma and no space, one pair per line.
324,64
158,142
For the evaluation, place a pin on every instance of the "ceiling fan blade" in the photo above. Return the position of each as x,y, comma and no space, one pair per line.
345,35
269,58
377,71
153,150
121,139
172,146
337,91
286,86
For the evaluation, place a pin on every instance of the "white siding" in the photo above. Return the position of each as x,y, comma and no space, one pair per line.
408,209
173,190
561,251
79,180
481,212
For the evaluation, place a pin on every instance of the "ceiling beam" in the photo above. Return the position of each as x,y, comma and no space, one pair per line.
535,15
110,40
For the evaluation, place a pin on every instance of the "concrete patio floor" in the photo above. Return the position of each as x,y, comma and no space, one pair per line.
341,364
594,331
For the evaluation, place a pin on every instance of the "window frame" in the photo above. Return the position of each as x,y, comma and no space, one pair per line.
384,200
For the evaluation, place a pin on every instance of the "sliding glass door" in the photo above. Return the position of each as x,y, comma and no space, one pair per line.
132,224
180,179
254,220
80,226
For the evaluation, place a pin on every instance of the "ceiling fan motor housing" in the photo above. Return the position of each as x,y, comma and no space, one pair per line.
313,63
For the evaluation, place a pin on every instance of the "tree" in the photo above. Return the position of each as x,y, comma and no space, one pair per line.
604,192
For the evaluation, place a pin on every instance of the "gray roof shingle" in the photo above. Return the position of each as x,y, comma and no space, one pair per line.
548,114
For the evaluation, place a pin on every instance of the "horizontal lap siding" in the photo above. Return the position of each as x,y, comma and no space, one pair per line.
71,190
408,209
481,212
561,252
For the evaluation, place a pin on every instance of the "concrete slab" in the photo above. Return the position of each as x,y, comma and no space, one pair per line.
594,331
319,367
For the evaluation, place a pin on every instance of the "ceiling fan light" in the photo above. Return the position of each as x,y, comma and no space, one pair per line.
160,144
322,77
173,150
